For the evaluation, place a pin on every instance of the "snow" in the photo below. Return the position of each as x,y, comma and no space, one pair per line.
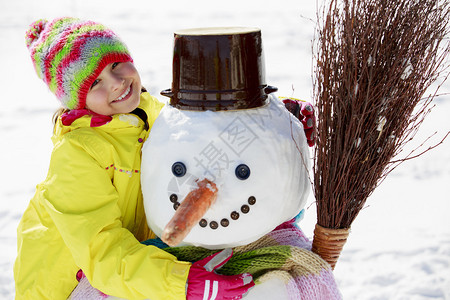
399,247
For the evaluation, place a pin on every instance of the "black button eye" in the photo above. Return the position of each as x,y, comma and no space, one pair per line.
178,169
242,172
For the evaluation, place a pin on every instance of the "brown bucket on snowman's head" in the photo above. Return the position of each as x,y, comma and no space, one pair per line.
217,69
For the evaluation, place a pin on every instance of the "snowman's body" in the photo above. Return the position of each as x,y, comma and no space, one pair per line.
273,289
268,141
224,126
248,210
269,290
271,143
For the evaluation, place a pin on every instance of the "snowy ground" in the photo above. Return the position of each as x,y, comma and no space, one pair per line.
399,247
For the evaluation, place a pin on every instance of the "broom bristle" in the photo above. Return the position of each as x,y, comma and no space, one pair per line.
375,59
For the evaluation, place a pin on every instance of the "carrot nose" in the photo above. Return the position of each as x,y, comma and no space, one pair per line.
190,212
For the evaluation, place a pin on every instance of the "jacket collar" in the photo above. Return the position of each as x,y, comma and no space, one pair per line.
82,118
96,119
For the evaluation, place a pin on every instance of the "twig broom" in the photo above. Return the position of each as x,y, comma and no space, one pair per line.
375,59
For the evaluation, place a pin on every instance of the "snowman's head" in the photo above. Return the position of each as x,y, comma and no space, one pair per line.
258,159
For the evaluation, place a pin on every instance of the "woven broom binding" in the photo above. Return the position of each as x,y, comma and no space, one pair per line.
328,243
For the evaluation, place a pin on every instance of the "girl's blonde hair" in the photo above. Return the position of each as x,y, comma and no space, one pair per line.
57,114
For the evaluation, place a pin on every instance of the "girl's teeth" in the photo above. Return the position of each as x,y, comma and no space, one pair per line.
123,95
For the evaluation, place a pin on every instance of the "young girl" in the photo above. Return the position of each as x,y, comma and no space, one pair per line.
88,213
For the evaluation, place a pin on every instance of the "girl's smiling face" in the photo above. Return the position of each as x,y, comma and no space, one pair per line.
116,90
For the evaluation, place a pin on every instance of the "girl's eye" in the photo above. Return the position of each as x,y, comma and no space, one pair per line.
178,169
95,83
242,172
114,65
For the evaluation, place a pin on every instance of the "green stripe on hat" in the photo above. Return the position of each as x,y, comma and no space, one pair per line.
54,43
69,48
42,49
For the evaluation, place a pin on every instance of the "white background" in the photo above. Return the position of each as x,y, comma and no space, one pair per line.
399,247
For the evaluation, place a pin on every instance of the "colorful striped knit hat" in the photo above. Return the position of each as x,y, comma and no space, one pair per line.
69,54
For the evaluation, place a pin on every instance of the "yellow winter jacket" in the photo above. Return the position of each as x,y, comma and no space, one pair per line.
88,214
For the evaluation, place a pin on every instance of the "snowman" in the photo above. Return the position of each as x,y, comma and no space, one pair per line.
226,166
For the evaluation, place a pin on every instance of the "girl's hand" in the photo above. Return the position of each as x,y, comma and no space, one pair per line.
204,284
304,111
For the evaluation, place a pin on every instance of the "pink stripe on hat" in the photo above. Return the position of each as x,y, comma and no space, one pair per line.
57,48
111,57
89,47
74,57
